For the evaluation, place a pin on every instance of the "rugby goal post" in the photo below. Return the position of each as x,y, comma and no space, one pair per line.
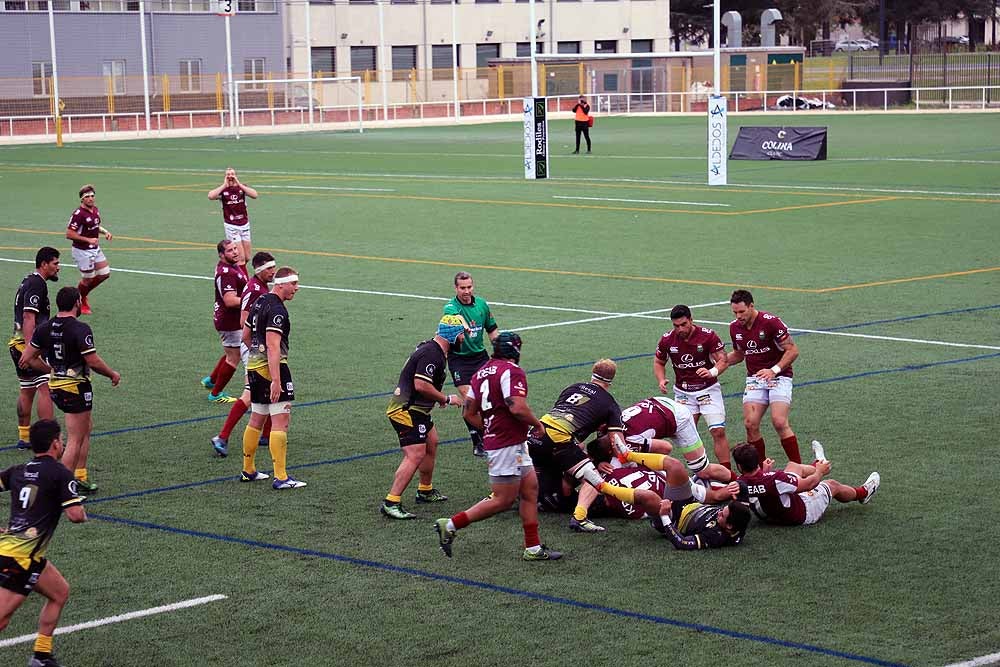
291,103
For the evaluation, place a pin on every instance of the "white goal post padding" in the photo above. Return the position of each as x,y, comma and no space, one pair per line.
296,102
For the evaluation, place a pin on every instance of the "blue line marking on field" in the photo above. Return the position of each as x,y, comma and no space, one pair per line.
433,576
394,450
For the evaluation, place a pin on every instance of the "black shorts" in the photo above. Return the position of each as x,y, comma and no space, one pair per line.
16,579
463,368
411,426
74,402
260,387
28,377
556,457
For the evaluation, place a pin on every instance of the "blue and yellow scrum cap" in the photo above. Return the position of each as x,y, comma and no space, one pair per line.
451,327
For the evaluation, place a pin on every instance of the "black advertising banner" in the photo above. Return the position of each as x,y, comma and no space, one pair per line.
541,140
780,143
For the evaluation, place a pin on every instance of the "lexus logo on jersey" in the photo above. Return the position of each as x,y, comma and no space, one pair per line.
687,358
752,344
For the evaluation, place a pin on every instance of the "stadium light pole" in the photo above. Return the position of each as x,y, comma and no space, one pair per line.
381,45
145,59
229,73
717,140
57,111
309,63
716,52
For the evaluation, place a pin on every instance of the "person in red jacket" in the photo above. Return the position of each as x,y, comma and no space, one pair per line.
582,115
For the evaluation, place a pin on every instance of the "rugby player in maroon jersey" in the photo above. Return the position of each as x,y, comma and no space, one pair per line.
235,219
84,230
698,357
797,495
763,340
230,280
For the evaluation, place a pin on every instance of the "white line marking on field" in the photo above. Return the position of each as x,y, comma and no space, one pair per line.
604,315
23,639
642,201
514,179
646,314
990,659
324,187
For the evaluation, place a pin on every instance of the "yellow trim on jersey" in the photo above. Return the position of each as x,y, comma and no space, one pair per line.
17,342
66,384
686,513
261,367
556,432
401,416
424,378
76,500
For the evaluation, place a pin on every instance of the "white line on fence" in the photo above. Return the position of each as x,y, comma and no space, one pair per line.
23,639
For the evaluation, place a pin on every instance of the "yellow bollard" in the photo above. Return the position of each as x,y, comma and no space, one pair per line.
542,81
582,75
500,90
218,91
270,92
166,92
111,95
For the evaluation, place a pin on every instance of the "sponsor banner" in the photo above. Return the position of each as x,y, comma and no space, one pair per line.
717,140
536,138
780,143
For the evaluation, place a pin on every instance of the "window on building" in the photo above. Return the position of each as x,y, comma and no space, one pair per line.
362,2
253,70
15,5
324,60
568,47
41,78
485,53
524,49
610,83
115,70
441,65
642,46
363,60
190,75
247,5
606,46
404,2
404,61
441,2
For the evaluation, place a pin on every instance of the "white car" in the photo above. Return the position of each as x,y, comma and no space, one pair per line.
852,45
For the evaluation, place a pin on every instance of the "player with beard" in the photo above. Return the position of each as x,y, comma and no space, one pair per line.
84,230
235,219
230,281
31,308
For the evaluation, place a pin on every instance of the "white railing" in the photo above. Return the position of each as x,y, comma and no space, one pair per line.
213,121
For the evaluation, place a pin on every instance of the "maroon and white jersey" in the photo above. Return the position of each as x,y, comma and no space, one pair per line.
228,278
255,287
632,478
687,356
234,206
761,344
649,416
496,381
774,498
86,222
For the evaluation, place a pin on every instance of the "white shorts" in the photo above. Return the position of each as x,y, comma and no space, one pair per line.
686,439
778,390
284,407
510,462
707,402
816,502
87,259
237,232
232,339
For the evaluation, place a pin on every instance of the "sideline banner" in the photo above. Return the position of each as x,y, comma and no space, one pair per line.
536,139
780,143
717,140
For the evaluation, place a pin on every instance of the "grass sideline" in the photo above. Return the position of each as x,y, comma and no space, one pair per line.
893,237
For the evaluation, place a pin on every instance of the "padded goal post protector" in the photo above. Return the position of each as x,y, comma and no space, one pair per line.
780,143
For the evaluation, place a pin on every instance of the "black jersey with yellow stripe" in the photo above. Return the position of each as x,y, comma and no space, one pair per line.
267,313
580,410
64,343
32,295
40,490
426,363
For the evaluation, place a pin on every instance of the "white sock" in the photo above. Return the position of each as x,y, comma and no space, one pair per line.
535,549
451,526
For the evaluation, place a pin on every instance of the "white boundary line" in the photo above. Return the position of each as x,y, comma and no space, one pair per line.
325,187
603,315
642,201
23,639
271,172
990,659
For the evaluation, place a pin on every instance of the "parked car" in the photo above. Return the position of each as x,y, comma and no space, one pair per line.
870,45
852,45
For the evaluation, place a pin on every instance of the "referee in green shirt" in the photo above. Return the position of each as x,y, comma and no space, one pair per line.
467,357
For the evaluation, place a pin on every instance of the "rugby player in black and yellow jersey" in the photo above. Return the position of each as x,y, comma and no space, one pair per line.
265,333
409,412
40,491
31,308
67,346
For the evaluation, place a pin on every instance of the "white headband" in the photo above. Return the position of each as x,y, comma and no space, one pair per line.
265,266
290,278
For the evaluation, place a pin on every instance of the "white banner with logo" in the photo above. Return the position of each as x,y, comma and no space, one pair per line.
717,140
536,138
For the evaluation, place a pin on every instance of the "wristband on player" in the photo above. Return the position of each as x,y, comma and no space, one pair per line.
713,371
776,369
